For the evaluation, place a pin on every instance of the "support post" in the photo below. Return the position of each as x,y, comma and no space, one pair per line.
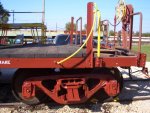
43,31
43,14
131,26
128,20
90,17
80,30
115,31
124,36
71,30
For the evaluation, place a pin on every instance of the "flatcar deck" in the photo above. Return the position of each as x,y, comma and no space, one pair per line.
40,51
52,51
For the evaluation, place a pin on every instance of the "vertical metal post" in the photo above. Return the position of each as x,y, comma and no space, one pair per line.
130,7
81,32
13,17
115,31
43,14
124,36
56,27
107,33
71,30
90,17
140,29
76,37
140,33
43,22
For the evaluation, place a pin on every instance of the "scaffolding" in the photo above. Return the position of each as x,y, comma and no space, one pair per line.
34,27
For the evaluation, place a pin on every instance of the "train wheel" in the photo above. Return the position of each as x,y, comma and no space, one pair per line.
113,73
17,83
116,74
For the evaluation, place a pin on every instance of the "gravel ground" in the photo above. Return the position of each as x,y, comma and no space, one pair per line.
111,107
131,90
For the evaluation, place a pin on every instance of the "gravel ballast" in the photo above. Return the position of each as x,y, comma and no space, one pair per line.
109,107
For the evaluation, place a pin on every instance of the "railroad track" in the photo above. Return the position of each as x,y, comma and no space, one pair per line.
13,105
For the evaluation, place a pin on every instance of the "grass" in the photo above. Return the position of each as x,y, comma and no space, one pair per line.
145,49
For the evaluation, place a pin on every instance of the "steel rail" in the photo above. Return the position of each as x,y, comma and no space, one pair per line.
137,80
12,105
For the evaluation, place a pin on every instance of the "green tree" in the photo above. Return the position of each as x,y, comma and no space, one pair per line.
146,34
137,33
4,14
111,33
68,26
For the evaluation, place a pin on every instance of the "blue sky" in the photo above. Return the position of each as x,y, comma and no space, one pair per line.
60,11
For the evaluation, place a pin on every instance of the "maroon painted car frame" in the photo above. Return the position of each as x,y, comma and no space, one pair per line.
73,88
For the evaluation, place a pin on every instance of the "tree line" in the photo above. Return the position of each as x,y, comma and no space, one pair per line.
4,14
136,34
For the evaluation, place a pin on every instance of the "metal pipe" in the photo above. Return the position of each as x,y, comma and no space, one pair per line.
115,31
140,28
25,12
13,17
78,19
43,22
80,30
71,30
76,33
43,14
131,27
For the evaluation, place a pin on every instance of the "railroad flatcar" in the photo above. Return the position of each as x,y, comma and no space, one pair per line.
72,74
